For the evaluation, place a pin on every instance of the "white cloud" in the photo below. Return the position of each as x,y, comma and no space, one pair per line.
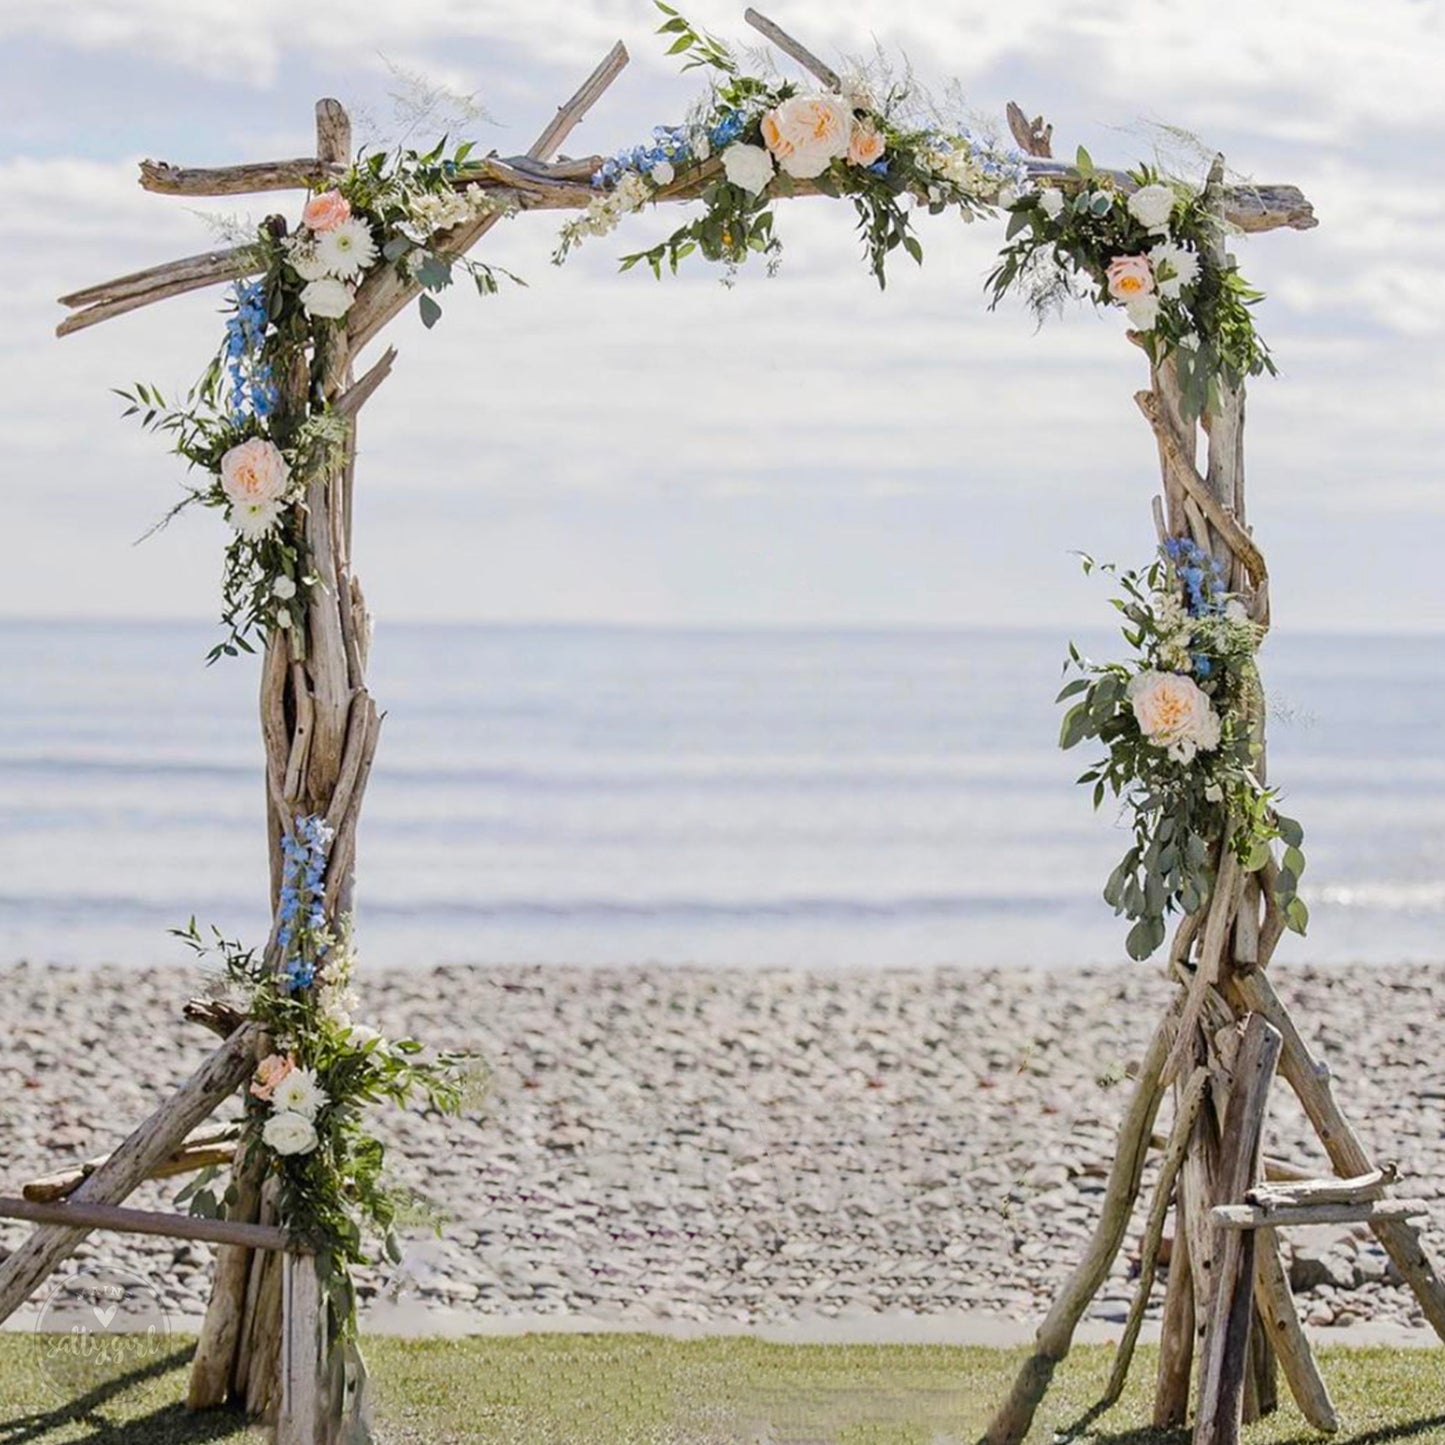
805,447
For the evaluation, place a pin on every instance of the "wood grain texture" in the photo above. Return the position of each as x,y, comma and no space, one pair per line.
155,1140
118,1220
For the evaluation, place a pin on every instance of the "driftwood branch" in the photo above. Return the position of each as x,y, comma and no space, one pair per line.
1360,1190
303,173
79,1215
220,1018
214,1145
1191,1100
1033,136
1245,1217
358,393
570,115
156,1139
1239,541
157,283
385,293
1011,1424
829,77
1280,1318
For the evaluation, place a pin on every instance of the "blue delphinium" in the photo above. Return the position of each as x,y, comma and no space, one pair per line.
1202,574
669,145
303,936
252,389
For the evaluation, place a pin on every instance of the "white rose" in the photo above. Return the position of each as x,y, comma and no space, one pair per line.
1234,611
1152,206
283,587
1174,714
1051,203
289,1134
807,133
1174,267
663,174
328,298
702,148
750,167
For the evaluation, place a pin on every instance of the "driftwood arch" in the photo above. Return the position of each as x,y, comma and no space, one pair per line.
1217,1048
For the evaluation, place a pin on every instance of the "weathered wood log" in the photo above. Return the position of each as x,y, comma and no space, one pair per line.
1011,1424
355,396
1261,1379
1310,1081
213,1364
1191,1100
1245,1217
220,1018
302,173
81,1215
1281,1322
824,74
1176,1329
303,1349
1325,1191
127,1166
196,1153
1033,136
1240,543
1223,1365
205,270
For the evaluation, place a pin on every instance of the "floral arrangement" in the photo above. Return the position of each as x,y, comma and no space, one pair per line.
1179,724
751,141
257,422
306,1104
1146,248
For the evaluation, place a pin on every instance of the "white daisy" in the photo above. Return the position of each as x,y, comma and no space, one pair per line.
346,250
254,520
299,1093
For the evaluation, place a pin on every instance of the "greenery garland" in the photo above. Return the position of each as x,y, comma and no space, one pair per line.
1181,726
257,423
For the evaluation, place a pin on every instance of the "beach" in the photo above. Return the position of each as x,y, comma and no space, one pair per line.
902,1153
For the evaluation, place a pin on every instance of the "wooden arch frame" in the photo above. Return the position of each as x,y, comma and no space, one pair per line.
1217,1048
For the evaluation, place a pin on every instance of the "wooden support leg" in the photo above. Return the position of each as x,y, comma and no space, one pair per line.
1176,1333
1310,1081
113,1181
303,1353
1191,1098
1226,1356
1055,1335
215,1358
1281,1323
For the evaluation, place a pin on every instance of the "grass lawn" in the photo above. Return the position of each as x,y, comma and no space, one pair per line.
600,1389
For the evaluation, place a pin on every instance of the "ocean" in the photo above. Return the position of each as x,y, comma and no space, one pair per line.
729,798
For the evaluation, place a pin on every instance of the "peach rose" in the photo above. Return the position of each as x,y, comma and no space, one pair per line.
255,472
807,132
326,211
1129,277
1174,714
269,1072
866,146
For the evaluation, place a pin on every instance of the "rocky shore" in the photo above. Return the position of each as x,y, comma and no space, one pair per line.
692,1148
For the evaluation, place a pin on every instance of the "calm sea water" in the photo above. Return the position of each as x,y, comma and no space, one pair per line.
732,798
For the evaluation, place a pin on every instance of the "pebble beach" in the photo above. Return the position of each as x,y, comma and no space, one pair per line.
689,1148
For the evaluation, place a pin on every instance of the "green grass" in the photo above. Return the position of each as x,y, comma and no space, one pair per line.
600,1389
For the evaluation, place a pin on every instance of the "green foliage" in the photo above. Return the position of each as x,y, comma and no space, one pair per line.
336,1196
1207,328
1186,804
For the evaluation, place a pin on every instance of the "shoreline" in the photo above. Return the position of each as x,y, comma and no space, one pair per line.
897,1153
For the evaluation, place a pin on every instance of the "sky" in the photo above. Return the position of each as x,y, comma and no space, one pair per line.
803,450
